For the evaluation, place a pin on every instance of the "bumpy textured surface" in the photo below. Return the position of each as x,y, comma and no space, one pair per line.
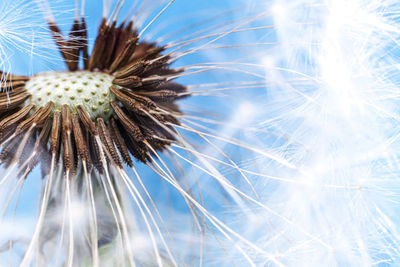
89,89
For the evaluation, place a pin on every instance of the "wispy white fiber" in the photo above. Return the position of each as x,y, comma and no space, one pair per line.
335,97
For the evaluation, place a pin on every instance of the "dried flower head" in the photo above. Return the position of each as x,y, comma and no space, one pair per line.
121,101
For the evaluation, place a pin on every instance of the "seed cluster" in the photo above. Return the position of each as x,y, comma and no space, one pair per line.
121,103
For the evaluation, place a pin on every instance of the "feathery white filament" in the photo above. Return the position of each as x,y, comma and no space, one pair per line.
343,112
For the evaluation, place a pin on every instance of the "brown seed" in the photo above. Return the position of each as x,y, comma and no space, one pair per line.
73,46
7,153
84,47
13,101
119,142
16,91
27,123
39,146
161,95
108,143
15,117
66,118
86,120
111,41
133,69
55,133
59,39
138,150
45,113
146,51
154,81
142,99
128,102
122,58
126,33
12,84
99,45
80,141
130,81
129,126
69,160
8,77
95,154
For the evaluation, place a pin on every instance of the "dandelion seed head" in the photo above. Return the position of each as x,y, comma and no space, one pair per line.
128,78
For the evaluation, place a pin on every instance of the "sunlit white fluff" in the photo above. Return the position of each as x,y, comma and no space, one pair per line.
334,98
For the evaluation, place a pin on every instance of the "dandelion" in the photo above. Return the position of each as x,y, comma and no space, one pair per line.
115,107
123,76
